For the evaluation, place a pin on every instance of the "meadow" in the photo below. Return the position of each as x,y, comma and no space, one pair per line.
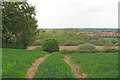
16,62
54,67
115,39
98,65
20,29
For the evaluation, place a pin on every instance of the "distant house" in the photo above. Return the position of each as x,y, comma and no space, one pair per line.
90,33
108,34
117,34
100,33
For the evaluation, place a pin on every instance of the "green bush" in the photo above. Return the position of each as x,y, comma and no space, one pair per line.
50,45
86,51
64,51
82,42
96,42
70,43
86,46
110,50
114,41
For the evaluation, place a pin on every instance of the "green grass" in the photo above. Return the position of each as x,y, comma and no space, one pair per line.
99,65
54,67
15,62
116,39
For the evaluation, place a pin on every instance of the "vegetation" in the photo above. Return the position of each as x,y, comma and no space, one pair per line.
19,26
16,62
64,51
54,67
98,29
69,37
86,46
99,65
19,30
50,45
109,49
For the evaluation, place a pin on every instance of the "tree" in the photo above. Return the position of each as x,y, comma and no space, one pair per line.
50,45
19,26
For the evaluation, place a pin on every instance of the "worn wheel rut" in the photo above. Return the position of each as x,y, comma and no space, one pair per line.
74,68
33,68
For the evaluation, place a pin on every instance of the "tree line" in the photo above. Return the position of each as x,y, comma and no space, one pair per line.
19,26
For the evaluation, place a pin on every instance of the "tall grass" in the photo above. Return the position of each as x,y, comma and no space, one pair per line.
54,67
15,62
101,65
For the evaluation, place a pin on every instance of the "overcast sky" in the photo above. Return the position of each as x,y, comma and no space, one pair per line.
76,13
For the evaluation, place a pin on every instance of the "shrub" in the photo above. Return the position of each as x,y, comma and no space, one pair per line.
64,51
86,46
110,50
50,45
114,42
86,51
70,43
81,42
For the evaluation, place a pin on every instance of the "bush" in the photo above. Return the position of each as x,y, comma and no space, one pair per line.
64,51
114,42
110,50
50,45
86,51
70,43
86,46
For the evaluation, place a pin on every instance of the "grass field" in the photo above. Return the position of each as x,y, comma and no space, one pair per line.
116,39
54,67
16,62
100,65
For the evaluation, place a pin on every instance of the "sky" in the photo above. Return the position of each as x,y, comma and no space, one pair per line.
76,13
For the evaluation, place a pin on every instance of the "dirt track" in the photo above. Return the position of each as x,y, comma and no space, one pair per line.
31,71
74,68
70,47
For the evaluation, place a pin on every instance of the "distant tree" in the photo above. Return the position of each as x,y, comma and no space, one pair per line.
19,26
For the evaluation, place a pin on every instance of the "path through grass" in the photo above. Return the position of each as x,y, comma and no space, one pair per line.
54,67
99,65
15,62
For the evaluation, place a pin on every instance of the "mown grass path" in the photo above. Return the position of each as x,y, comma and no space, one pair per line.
54,67
31,71
74,69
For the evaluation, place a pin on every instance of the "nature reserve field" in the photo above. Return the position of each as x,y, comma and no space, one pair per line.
99,65
16,62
